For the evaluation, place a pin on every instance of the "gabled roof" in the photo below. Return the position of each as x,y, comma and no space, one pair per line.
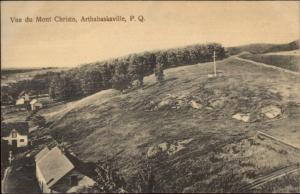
22,93
21,127
33,101
53,166
20,101
41,154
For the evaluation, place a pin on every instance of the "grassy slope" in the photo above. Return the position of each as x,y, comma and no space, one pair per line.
224,153
284,60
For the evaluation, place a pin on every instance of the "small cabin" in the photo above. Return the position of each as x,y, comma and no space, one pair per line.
56,174
35,104
23,101
16,134
23,98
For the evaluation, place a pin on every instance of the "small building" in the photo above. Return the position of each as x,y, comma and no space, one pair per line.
35,104
16,134
56,174
20,101
23,98
24,95
23,101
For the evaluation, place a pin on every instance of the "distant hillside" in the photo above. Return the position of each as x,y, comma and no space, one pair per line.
286,60
14,75
9,71
260,48
284,47
187,125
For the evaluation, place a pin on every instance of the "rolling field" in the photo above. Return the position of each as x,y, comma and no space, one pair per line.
187,125
287,60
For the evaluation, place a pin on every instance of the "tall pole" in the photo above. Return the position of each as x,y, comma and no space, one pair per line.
215,66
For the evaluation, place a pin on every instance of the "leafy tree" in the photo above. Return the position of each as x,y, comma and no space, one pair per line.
136,68
106,76
194,56
91,81
146,179
150,59
159,73
186,57
64,86
172,58
39,120
161,57
120,80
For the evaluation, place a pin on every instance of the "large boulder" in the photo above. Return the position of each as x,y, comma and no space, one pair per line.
195,104
242,117
271,111
164,104
218,103
153,151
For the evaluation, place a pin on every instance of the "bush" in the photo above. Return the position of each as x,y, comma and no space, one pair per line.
39,120
108,179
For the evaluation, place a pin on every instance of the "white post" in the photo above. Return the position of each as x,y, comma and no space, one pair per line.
215,66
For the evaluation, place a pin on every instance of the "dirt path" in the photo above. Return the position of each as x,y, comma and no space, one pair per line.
278,140
274,175
4,180
268,66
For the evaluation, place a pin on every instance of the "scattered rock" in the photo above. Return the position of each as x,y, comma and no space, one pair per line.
163,146
219,103
242,117
185,141
273,91
195,104
271,111
180,102
188,189
181,97
153,151
173,148
164,103
167,147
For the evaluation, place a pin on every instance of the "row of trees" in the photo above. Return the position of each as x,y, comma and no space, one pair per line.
121,72
118,73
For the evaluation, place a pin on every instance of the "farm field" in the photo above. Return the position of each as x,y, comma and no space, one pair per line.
202,133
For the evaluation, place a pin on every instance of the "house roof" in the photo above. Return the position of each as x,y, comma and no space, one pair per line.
22,93
21,127
41,154
33,101
20,101
53,166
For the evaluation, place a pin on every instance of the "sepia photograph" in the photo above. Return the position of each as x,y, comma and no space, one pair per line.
150,97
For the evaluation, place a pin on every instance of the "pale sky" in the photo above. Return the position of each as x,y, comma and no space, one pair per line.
166,25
